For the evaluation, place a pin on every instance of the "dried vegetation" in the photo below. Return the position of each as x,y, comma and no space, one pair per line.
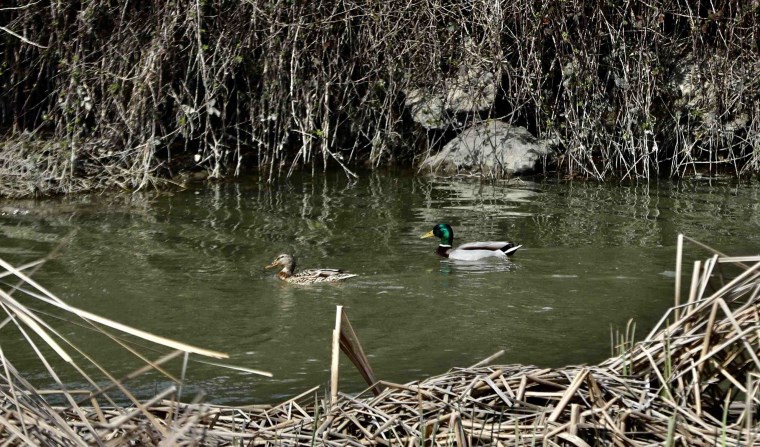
693,381
137,91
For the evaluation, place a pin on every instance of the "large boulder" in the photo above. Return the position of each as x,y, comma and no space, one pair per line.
491,149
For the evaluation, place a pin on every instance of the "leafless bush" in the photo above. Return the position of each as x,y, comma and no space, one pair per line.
289,84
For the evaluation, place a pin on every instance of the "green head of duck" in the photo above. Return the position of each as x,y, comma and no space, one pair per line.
442,231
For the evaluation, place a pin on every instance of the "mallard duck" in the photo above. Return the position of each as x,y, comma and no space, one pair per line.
311,276
471,251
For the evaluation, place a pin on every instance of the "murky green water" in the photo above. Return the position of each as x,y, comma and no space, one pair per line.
189,265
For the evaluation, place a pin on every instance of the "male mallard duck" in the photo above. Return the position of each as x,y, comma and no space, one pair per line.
288,265
471,251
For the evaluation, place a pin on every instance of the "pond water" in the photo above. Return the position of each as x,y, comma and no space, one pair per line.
189,265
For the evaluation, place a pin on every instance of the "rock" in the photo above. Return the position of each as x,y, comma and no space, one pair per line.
492,149
698,88
427,109
473,89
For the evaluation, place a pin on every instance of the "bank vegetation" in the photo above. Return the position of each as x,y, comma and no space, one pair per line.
104,93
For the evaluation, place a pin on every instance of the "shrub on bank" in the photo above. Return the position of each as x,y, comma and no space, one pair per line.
142,89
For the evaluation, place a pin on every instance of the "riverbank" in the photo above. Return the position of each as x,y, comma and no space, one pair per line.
694,380
629,91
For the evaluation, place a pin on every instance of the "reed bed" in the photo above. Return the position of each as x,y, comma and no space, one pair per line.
694,380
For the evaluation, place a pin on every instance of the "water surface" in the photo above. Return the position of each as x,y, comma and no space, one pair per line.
189,265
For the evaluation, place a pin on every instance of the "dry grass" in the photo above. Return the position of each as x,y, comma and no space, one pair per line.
693,381
301,85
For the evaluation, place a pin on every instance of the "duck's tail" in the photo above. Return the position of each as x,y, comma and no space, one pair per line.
510,249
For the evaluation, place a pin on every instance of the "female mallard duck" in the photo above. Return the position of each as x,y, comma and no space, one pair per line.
312,276
471,251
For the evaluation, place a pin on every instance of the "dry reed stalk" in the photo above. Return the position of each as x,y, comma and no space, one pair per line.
349,344
27,416
335,363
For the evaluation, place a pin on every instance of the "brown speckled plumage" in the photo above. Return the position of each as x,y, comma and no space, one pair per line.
310,276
